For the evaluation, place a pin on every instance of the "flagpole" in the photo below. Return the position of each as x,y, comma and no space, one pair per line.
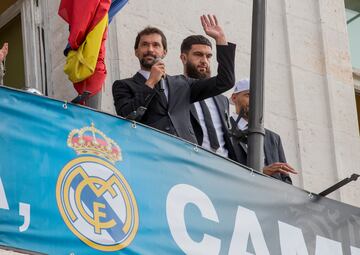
256,136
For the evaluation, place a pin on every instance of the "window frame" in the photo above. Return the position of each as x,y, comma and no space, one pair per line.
35,59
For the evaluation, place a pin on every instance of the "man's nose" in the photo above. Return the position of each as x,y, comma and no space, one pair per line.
204,59
150,48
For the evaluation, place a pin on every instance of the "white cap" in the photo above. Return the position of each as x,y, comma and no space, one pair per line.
33,91
241,86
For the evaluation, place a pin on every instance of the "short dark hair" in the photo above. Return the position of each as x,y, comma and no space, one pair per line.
189,41
149,31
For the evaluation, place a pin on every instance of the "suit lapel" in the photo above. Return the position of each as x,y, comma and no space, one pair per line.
242,155
171,92
267,149
218,106
194,113
140,80
223,112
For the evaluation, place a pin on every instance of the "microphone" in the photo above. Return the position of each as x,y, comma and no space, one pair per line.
162,82
162,85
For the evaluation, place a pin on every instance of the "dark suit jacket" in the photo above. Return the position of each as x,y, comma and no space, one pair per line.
273,151
222,105
174,116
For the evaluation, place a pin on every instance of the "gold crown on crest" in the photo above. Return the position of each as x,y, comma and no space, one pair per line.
89,140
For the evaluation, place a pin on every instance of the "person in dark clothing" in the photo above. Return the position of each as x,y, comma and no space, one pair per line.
274,161
209,117
162,101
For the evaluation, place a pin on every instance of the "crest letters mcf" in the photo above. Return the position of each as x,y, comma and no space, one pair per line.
94,199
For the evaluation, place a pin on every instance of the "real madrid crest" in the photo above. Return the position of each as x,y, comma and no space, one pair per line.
94,199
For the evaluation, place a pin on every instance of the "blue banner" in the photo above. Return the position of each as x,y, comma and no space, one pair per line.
77,181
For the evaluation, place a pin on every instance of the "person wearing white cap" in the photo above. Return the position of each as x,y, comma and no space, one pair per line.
209,117
275,161
3,53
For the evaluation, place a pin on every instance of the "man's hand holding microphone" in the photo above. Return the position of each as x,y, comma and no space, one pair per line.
157,73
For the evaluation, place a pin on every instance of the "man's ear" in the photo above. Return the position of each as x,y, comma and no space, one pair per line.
183,58
233,97
136,53
165,52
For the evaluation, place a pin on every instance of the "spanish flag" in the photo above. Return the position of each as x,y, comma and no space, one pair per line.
88,24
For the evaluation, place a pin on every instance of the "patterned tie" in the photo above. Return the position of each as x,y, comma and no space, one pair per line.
162,94
214,142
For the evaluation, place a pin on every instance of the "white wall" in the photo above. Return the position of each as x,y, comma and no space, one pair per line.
309,97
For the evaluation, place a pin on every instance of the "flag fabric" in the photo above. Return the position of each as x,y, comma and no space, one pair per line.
116,6
94,83
88,24
81,63
82,16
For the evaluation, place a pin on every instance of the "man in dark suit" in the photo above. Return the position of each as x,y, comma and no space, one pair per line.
275,161
209,117
163,101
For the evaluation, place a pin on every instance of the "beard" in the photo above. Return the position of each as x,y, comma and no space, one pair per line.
244,112
193,72
147,64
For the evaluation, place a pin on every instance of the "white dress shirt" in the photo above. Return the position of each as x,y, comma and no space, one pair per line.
217,124
242,124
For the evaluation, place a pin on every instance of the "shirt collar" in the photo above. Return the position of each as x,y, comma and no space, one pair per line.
242,124
144,73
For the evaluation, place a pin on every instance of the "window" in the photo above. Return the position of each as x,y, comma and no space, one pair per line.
353,24
353,21
357,96
5,4
15,73
357,93
21,25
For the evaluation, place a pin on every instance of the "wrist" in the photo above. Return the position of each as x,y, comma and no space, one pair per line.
150,83
221,40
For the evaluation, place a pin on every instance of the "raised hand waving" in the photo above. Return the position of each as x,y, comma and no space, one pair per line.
213,29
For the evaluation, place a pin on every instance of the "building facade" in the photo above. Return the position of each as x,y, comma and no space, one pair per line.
312,79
